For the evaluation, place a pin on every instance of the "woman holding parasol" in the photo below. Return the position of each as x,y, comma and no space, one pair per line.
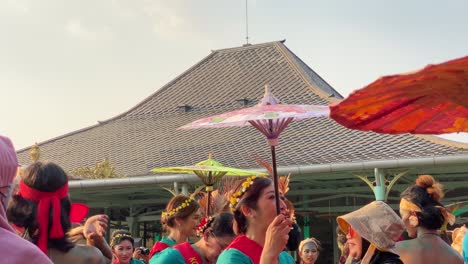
262,234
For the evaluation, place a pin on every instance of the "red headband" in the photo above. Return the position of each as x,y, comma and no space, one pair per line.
45,200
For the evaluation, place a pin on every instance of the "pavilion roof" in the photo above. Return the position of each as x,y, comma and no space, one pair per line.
145,136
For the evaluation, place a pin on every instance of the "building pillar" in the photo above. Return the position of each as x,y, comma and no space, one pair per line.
176,188
379,188
306,226
184,188
133,224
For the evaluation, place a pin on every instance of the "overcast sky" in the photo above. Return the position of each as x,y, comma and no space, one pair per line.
66,64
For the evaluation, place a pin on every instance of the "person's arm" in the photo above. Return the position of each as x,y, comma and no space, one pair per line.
275,240
101,244
94,232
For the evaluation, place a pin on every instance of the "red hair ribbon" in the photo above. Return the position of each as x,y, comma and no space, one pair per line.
45,200
203,224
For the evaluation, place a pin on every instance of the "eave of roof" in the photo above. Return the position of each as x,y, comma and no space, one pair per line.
424,162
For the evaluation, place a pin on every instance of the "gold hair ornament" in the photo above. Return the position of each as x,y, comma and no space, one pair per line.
235,197
409,206
178,208
122,235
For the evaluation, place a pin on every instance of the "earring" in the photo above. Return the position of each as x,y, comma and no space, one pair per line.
413,220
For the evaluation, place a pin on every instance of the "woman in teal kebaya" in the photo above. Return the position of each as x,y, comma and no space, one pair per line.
262,234
216,233
179,221
122,248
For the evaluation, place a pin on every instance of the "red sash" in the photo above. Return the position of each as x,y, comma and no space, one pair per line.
46,202
158,247
188,253
249,247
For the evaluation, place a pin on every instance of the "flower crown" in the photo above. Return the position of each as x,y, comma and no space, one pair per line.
178,208
205,222
117,238
235,197
122,235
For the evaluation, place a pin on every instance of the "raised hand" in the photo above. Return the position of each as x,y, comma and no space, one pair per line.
276,238
96,226
94,231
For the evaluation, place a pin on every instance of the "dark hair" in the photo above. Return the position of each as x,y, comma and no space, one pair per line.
45,177
295,237
249,199
221,225
365,244
183,213
341,236
430,218
426,194
120,235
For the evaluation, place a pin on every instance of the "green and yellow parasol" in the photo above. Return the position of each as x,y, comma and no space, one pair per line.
210,172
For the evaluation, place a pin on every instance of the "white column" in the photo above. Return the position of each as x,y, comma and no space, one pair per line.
184,188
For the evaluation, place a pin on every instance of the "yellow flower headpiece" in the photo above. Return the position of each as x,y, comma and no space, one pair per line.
178,208
122,235
117,238
235,198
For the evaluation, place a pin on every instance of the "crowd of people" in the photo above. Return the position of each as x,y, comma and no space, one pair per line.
35,226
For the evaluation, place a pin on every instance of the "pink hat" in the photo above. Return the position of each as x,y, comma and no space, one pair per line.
8,162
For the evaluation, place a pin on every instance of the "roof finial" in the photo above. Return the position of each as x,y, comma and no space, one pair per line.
267,90
246,22
35,152
268,97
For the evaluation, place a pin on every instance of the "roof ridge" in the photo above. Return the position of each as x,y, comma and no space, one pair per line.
213,52
164,87
61,136
249,46
442,141
294,61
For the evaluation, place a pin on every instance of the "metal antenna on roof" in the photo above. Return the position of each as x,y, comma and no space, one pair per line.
246,22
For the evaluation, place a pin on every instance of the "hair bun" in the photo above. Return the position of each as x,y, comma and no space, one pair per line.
432,187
